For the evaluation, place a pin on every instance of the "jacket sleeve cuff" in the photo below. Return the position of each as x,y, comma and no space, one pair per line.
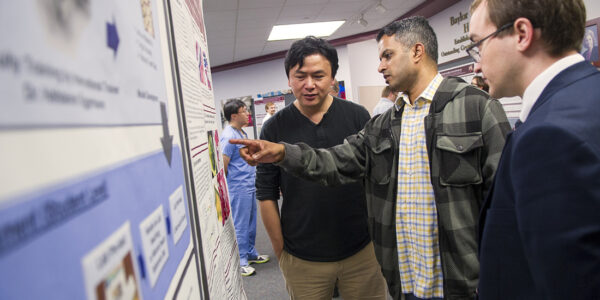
292,156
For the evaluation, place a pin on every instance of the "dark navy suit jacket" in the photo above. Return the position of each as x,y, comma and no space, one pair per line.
540,224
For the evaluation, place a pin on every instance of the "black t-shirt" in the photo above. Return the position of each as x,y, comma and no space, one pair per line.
318,223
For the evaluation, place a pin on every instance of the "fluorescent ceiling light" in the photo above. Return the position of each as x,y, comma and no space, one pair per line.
298,31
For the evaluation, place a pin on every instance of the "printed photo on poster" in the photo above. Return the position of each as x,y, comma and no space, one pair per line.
147,16
203,68
119,283
220,185
109,269
223,196
212,153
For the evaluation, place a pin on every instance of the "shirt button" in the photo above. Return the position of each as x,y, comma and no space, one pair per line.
459,147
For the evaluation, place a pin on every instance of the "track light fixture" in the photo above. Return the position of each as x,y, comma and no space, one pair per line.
376,5
380,8
362,21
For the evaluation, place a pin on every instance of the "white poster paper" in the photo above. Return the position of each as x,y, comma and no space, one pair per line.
153,231
178,214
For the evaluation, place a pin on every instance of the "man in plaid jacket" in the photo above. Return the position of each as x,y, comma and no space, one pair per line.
426,165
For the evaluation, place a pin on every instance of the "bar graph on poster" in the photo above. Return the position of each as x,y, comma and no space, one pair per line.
111,180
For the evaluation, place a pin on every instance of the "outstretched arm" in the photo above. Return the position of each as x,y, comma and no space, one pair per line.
260,151
337,165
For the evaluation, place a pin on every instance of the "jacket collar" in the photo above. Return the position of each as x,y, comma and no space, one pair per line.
562,80
445,93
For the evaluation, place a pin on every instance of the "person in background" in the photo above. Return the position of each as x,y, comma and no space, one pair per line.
270,109
480,83
320,236
539,226
388,98
426,165
240,180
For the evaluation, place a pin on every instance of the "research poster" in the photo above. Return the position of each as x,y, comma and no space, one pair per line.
94,200
219,246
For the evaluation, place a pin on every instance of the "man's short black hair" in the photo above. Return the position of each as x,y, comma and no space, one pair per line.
412,30
308,46
232,107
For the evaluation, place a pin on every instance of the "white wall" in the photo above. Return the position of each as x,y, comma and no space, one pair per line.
364,60
250,80
344,72
593,8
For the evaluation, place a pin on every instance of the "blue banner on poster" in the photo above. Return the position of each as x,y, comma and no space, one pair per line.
121,232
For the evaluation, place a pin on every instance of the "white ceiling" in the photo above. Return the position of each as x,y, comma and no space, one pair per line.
238,29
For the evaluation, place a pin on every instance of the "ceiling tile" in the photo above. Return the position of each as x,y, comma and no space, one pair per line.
295,11
223,56
255,14
222,20
344,10
305,2
245,52
244,39
219,36
346,1
217,5
276,46
261,3
259,24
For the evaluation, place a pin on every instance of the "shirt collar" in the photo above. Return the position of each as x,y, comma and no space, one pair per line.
535,88
427,94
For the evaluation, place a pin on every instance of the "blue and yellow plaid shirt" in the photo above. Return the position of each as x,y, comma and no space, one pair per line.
416,214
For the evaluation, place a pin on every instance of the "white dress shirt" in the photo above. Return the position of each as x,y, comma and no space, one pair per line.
535,88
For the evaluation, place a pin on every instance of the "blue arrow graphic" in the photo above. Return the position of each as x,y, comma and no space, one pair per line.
112,37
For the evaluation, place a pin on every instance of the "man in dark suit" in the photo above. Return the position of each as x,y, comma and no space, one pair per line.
540,224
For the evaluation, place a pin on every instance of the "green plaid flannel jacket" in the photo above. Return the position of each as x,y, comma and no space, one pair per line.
465,133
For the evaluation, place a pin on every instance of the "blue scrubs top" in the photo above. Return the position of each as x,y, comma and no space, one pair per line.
240,175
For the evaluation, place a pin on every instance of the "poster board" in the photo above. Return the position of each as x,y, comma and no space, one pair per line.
97,200
191,65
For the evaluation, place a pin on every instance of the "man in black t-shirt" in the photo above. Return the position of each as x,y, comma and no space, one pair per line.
321,236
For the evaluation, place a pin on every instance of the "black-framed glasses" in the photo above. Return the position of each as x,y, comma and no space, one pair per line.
473,50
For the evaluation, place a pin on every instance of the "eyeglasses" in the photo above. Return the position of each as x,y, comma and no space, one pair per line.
473,50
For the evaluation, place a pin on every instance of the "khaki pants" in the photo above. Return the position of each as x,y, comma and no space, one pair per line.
358,277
